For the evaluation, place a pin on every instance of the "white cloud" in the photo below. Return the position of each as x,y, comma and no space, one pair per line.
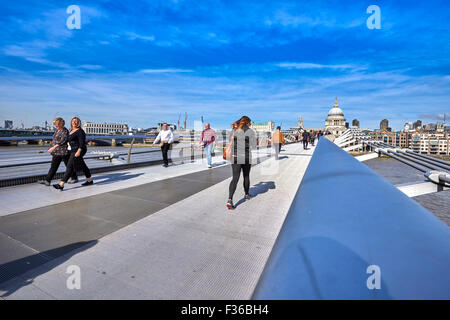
30,49
134,36
90,67
165,70
296,65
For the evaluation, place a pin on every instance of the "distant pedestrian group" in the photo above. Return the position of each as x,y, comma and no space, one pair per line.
70,147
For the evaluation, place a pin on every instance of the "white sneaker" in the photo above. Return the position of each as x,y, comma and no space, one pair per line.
209,166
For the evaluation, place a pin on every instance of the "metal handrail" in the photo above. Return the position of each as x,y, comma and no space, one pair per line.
13,181
106,154
88,137
428,157
412,159
109,155
346,221
431,161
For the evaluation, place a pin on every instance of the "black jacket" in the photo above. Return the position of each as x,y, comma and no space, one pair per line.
77,140
305,135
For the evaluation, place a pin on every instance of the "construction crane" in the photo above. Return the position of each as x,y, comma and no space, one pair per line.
178,123
185,118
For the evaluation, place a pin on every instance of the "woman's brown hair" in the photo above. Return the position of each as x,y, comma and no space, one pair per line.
243,121
78,122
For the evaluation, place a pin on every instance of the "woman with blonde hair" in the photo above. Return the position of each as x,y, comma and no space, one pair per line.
78,148
243,142
59,151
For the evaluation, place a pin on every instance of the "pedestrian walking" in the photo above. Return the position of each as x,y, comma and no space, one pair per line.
165,140
243,141
78,148
208,139
305,136
277,141
59,152
313,137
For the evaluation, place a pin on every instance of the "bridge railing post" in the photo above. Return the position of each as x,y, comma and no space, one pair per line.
129,151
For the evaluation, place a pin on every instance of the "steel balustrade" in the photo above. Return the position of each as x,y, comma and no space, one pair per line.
346,221
440,173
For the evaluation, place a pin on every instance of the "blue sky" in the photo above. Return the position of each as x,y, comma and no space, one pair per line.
142,62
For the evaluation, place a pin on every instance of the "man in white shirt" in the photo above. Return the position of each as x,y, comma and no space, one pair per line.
165,136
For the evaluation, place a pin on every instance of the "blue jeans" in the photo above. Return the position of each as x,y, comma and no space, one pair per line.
208,150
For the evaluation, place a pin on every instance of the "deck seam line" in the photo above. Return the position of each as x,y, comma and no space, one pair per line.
21,243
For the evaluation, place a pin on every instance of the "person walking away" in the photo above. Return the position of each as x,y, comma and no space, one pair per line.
165,138
277,141
313,137
207,139
243,142
305,136
59,152
78,148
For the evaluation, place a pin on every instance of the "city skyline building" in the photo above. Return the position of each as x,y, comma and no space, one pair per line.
263,126
300,122
105,128
417,124
335,122
9,124
384,124
431,143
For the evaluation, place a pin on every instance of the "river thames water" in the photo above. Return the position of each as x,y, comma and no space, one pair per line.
398,173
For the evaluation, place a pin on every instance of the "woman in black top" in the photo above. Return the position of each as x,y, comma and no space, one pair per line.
78,148
244,140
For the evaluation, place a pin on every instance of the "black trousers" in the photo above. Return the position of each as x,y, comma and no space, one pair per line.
165,149
236,169
305,144
74,163
56,161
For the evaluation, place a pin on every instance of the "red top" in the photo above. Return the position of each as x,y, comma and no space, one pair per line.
208,136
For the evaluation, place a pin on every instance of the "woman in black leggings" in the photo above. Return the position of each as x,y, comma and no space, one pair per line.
78,148
243,141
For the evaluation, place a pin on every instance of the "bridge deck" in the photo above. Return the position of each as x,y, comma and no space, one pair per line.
151,233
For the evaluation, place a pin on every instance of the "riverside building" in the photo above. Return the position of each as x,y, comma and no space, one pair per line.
431,143
263,126
105,128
